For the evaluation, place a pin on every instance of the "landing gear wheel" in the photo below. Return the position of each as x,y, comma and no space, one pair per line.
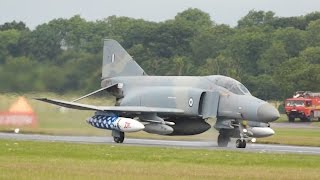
241,143
223,140
119,139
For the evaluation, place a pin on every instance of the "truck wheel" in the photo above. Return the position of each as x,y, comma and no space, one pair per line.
311,117
291,119
308,118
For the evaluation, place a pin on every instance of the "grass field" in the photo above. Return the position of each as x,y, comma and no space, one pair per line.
54,120
52,160
302,137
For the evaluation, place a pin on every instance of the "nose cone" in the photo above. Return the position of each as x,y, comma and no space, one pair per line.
267,113
89,120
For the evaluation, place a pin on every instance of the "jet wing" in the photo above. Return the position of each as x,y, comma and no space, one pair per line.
121,109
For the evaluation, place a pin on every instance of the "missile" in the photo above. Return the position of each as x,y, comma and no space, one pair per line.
259,132
156,128
115,123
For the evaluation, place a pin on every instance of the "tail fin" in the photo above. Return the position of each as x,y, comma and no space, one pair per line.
117,62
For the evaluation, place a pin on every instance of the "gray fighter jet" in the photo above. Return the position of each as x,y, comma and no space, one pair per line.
174,105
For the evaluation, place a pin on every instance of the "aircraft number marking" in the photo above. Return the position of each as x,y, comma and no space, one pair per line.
127,125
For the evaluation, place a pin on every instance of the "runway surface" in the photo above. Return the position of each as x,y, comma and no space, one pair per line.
262,148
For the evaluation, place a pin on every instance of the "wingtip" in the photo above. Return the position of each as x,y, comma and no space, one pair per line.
40,99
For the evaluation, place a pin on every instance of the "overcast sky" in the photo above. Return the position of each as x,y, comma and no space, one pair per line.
35,12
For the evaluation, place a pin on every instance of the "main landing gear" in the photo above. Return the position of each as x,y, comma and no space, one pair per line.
118,136
223,140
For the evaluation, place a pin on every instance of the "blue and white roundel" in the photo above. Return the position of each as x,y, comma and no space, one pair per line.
190,102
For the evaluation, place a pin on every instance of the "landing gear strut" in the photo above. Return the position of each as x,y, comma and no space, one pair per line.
241,143
118,136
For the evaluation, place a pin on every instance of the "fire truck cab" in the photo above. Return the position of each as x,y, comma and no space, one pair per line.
304,105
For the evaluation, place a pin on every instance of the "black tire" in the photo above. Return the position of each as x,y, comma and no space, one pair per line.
223,140
244,144
311,117
119,139
291,119
238,143
306,119
241,143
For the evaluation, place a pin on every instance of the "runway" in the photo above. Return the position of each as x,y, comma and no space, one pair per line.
211,145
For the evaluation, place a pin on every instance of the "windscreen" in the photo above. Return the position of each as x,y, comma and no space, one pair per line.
230,84
295,103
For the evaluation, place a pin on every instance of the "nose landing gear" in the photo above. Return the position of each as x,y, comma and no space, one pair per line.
241,143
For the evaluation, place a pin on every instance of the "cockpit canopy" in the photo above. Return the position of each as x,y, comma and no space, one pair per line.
230,84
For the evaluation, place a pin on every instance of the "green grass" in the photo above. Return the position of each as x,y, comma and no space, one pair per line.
284,118
52,160
302,137
54,120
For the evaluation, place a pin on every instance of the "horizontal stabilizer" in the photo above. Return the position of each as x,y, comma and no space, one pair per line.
121,109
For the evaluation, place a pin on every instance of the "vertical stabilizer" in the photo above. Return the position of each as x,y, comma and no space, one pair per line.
117,61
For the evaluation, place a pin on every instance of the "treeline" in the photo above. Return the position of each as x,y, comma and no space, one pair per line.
273,56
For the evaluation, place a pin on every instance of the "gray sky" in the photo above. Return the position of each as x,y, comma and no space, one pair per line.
35,12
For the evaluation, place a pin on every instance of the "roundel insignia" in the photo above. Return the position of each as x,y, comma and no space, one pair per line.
190,102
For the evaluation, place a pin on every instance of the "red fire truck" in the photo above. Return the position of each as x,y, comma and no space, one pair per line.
304,105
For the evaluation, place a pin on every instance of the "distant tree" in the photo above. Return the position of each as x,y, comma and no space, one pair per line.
256,18
19,26
222,65
294,40
272,57
290,76
264,86
18,75
313,33
194,18
8,38
246,47
45,42
208,43
182,65
311,55
312,17
286,22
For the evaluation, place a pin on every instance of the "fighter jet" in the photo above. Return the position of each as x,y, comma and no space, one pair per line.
173,105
